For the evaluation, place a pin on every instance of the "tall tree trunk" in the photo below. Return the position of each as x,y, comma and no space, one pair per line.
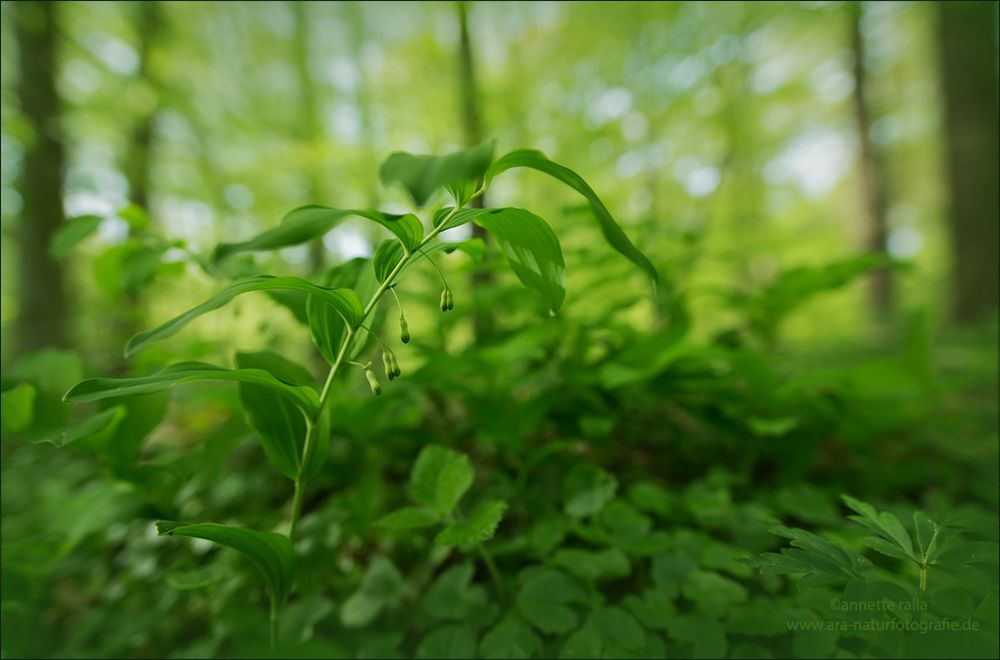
473,135
311,128
968,63
362,98
873,177
149,21
42,316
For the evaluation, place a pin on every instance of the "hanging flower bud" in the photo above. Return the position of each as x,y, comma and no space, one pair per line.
395,366
451,300
404,330
444,300
387,364
373,382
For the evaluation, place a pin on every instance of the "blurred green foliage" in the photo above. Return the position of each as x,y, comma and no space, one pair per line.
645,446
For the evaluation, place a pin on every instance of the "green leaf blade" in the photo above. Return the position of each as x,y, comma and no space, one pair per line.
423,175
271,553
307,223
612,232
344,301
94,389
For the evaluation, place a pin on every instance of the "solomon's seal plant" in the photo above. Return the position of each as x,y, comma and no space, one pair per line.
281,401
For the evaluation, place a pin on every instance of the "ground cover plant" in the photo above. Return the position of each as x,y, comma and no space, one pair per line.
297,362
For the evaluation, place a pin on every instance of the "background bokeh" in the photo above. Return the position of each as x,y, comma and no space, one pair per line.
758,153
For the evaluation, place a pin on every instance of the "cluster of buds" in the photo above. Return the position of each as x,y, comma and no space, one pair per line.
391,365
447,302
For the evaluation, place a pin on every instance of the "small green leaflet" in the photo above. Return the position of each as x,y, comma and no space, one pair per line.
72,233
306,223
480,526
410,517
545,600
94,389
269,552
613,233
440,478
423,175
344,301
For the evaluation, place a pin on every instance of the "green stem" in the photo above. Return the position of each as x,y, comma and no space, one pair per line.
341,354
491,568
273,628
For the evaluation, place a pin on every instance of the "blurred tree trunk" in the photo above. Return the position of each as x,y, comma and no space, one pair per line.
873,178
310,125
473,135
41,320
968,58
138,170
362,99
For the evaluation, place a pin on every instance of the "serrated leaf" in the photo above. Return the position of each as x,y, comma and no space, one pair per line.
344,301
408,518
884,547
440,478
897,533
544,600
452,596
269,552
448,642
381,586
423,175
592,565
587,489
613,233
923,528
480,526
306,223
94,389
511,638
587,642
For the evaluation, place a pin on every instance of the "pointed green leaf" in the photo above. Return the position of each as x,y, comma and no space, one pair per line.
344,301
306,223
613,233
276,418
884,547
924,530
72,233
387,256
408,518
896,532
106,420
94,389
480,526
532,249
269,552
326,326
423,175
